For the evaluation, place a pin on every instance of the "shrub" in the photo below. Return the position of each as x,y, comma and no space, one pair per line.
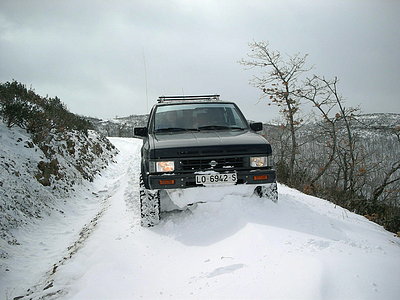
22,107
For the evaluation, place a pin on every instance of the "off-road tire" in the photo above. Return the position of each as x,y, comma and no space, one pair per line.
269,191
149,205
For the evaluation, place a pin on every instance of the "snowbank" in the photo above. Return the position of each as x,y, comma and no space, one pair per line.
36,179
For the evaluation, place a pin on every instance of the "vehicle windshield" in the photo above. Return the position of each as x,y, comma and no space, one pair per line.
198,117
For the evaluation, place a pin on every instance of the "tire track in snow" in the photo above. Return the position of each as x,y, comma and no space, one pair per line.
38,291
42,290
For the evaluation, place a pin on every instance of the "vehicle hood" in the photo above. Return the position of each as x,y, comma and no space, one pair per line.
208,143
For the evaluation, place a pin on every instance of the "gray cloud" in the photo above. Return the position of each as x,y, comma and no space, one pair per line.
92,54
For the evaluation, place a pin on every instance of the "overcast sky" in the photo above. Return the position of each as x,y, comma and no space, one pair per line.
114,58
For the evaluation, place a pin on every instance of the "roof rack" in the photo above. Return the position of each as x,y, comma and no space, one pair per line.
163,99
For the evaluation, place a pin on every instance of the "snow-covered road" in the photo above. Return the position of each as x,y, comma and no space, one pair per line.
236,248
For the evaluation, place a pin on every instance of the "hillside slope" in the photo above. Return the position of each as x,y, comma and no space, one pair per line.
46,153
36,178
236,248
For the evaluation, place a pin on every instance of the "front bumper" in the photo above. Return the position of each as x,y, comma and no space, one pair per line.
188,180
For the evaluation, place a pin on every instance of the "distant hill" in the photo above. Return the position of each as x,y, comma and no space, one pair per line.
119,127
378,121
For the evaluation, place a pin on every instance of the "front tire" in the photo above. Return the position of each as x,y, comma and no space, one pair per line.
269,191
149,205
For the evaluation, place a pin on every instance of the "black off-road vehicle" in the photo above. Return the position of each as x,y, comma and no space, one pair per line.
200,141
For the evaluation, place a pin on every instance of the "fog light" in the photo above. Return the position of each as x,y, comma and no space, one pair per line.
260,177
166,181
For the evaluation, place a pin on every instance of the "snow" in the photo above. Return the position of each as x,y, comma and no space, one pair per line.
239,247
36,181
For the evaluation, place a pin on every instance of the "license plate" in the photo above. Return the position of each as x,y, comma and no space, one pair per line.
208,179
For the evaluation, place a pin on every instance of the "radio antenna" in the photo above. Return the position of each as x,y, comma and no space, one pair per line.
145,78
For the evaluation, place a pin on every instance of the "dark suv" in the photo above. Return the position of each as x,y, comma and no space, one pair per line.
197,141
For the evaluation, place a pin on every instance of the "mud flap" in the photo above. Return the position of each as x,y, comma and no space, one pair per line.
268,191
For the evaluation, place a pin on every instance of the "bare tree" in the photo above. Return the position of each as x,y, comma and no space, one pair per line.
279,82
325,97
324,100
392,176
334,156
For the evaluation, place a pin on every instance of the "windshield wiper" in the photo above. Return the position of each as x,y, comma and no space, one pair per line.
236,127
218,127
175,129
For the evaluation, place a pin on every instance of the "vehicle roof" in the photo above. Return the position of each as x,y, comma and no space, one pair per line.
193,102
190,99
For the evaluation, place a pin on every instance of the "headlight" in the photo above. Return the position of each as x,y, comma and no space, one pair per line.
261,161
165,166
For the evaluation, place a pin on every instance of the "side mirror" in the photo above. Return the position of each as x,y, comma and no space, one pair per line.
140,131
258,126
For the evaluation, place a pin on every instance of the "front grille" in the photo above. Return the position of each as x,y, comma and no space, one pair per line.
206,164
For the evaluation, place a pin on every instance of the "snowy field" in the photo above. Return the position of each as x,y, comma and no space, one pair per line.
236,248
